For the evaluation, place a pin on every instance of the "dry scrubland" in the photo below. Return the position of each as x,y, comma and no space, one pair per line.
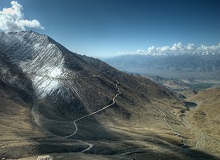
205,119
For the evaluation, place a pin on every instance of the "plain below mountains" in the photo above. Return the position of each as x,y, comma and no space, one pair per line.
195,66
44,88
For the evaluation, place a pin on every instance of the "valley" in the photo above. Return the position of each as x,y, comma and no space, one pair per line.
68,106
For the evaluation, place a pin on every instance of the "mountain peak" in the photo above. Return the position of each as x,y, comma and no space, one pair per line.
53,69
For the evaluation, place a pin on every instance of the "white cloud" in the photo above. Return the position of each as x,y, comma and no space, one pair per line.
151,49
175,49
140,51
191,47
12,19
178,48
209,49
165,49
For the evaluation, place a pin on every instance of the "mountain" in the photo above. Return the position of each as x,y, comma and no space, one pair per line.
170,66
60,103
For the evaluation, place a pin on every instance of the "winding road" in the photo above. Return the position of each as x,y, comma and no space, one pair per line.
201,139
164,119
75,124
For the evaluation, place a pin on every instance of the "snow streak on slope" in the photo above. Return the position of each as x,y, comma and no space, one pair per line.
37,56
45,84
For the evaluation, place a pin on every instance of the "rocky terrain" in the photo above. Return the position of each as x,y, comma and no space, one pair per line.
65,105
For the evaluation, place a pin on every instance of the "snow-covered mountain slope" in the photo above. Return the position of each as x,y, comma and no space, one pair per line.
35,55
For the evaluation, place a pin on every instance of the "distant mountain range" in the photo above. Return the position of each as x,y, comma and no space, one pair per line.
196,66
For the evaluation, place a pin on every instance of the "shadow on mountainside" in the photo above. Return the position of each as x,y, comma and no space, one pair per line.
20,137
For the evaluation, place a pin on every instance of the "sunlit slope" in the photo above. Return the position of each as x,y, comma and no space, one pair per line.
206,119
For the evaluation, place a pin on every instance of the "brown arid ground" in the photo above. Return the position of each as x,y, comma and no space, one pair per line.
154,131
20,135
205,120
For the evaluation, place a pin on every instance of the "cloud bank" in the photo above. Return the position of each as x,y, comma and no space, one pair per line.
177,49
12,19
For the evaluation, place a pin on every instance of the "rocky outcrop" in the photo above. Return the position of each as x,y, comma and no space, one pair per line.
45,157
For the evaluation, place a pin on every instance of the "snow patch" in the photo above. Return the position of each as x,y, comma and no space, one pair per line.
57,72
47,81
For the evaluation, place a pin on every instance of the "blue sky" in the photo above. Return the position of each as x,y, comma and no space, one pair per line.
103,28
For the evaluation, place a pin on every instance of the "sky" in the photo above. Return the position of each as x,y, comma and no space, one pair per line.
105,28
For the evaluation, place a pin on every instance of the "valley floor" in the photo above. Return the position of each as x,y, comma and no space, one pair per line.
205,120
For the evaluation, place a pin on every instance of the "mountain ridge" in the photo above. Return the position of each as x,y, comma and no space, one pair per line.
53,71
58,87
